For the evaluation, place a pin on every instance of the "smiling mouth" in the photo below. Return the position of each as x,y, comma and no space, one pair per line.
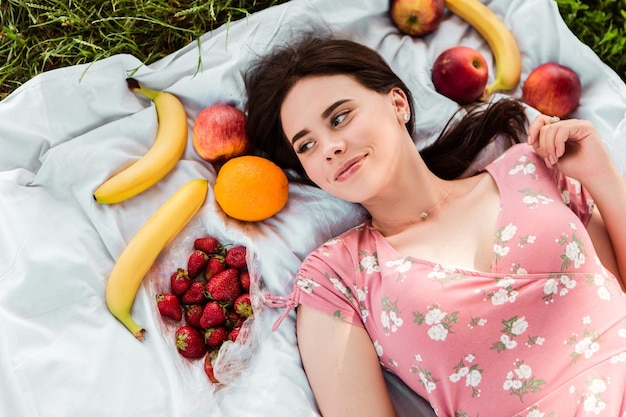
349,168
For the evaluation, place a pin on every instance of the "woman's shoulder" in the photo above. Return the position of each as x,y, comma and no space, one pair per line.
518,157
352,238
344,246
519,150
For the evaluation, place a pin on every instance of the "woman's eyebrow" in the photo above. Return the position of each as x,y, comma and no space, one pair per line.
325,115
332,108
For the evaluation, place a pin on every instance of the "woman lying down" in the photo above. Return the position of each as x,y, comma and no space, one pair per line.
495,294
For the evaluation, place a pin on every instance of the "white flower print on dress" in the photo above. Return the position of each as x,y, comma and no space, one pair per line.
368,263
621,358
507,232
326,250
521,381
557,284
600,281
476,321
428,381
440,322
307,284
513,327
339,286
390,316
533,199
577,185
444,275
379,348
503,235
401,266
525,167
584,347
471,373
591,397
506,292
526,240
361,295
574,252
534,411
622,331
518,269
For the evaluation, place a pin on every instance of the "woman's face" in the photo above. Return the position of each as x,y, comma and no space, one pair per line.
346,136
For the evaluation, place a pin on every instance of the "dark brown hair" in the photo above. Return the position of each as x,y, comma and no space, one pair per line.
271,77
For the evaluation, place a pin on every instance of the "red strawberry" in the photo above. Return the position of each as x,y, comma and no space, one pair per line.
207,244
232,335
236,257
244,277
224,286
212,315
234,320
179,282
214,266
195,294
193,312
190,342
196,263
208,365
243,305
215,336
169,306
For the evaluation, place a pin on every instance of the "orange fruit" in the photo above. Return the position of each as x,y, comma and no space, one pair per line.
251,188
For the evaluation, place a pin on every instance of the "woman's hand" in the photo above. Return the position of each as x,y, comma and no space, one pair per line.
572,146
575,148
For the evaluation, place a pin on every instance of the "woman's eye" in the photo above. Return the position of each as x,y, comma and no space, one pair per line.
336,121
304,147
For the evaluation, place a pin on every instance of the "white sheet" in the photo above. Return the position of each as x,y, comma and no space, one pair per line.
64,132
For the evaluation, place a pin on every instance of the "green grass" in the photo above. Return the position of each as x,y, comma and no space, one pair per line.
39,35
601,24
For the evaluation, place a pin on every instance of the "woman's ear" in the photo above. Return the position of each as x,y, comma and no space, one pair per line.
401,104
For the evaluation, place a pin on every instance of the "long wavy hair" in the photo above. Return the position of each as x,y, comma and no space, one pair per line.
271,77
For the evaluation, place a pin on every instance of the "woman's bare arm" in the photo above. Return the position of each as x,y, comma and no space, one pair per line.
342,367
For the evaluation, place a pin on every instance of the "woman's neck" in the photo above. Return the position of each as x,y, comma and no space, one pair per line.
413,196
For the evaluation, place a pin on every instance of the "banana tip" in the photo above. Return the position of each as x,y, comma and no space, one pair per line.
132,84
485,94
141,335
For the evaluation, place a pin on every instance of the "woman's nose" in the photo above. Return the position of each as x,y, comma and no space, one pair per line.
335,148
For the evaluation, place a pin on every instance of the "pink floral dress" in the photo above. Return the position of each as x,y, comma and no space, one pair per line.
542,334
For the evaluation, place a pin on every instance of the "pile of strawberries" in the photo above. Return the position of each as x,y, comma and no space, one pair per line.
210,298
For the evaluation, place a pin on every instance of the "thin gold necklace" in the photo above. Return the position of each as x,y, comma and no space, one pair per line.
424,214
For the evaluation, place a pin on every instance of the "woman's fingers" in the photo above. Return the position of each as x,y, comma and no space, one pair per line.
547,135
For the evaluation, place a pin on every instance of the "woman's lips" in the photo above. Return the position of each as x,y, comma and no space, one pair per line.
349,168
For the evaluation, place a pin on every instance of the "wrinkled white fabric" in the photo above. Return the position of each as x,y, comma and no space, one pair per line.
64,132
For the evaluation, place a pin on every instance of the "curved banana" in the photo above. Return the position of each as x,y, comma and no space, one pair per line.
143,249
168,147
508,60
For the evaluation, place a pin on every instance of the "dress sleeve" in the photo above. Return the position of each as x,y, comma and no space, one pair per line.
325,282
576,197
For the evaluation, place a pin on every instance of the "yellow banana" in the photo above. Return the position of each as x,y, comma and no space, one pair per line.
143,249
508,60
168,147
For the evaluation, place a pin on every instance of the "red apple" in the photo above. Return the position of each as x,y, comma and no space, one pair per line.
219,133
417,17
460,73
553,89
